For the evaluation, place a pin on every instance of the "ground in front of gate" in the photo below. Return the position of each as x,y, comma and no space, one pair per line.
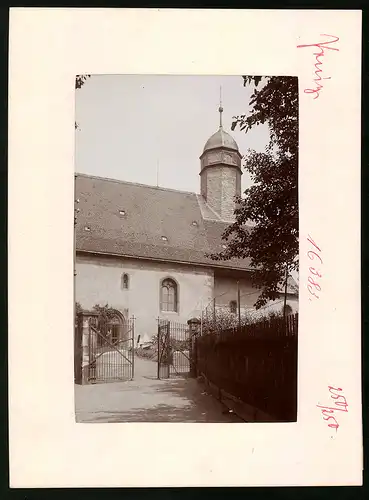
146,399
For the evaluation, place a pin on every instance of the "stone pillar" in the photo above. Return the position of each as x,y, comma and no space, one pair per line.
194,327
88,346
164,350
78,349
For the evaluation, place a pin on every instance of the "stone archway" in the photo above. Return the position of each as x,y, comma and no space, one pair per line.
107,346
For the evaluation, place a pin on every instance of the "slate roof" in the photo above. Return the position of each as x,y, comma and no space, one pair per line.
130,220
150,213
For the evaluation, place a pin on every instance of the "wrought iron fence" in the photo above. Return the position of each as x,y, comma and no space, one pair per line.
111,349
173,349
104,347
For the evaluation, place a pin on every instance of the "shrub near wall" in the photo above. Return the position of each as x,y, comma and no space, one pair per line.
256,363
147,353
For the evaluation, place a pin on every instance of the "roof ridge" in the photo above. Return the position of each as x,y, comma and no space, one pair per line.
119,181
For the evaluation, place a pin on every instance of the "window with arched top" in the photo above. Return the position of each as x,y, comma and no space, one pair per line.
169,295
233,306
125,281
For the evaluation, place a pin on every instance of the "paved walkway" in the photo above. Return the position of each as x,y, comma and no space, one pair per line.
146,399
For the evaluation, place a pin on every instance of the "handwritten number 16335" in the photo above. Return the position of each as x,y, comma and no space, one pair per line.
315,275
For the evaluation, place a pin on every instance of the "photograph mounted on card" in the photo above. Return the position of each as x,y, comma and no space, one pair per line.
176,253
172,312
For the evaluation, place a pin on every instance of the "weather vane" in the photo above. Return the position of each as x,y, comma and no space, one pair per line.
220,107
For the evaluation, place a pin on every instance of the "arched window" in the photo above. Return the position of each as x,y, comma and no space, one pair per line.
125,281
169,295
233,306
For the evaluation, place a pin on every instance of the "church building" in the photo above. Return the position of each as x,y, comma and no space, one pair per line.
143,249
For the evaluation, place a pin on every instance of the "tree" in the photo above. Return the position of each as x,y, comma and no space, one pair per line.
104,310
105,314
78,308
80,81
271,203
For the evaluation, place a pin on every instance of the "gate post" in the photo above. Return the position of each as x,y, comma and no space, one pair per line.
78,349
158,359
194,327
85,348
163,349
87,345
133,348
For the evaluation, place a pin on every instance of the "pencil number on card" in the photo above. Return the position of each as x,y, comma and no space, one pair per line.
313,285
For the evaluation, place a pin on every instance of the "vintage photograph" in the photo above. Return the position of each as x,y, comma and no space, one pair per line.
186,248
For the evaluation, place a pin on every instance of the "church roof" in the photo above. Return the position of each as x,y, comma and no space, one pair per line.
135,220
221,139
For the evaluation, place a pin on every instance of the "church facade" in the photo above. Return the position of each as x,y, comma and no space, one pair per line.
143,249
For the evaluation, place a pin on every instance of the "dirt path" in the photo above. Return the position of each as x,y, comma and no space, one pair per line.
146,399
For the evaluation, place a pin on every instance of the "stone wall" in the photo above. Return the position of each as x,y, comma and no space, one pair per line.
225,291
222,185
99,281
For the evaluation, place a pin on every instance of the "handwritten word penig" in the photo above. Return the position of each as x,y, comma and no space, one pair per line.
315,275
322,46
340,404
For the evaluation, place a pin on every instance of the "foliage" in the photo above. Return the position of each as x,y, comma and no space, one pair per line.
271,203
147,353
151,351
105,315
80,81
105,310
224,320
154,339
78,308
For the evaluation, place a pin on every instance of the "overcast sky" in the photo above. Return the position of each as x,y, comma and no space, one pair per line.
130,123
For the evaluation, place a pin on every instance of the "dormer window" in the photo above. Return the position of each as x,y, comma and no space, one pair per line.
122,213
87,228
194,223
164,238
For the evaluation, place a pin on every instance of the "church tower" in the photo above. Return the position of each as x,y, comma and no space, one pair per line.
221,172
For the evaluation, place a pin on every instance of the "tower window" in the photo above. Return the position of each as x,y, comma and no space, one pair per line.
233,306
169,296
125,281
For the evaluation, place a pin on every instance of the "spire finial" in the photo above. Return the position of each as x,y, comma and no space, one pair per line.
220,108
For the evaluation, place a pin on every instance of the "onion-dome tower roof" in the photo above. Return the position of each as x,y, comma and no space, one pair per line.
221,139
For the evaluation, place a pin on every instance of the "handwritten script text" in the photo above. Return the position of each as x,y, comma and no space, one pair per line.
315,275
322,46
340,404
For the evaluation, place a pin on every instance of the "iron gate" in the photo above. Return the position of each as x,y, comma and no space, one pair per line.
173,349
111,348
